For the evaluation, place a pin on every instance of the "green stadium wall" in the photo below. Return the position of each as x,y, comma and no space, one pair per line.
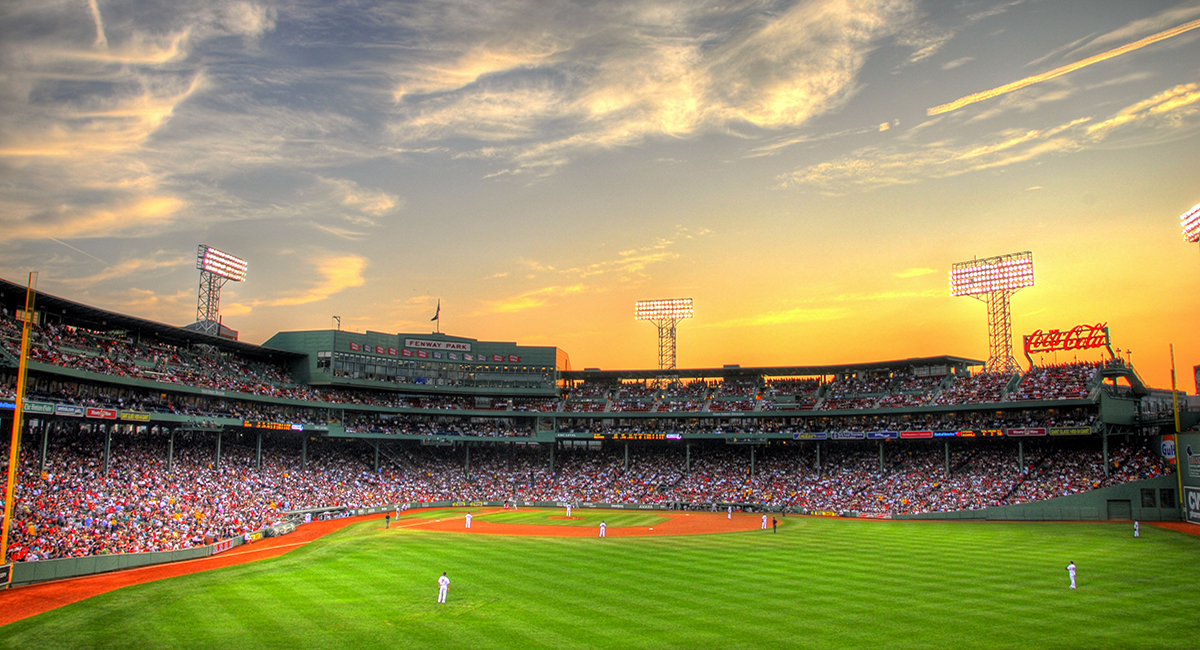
1117,503
25,573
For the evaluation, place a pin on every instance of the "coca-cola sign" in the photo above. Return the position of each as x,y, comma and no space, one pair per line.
1080,337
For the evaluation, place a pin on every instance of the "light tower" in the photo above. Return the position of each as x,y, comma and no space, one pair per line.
665,314
216,268
1190,222
994,280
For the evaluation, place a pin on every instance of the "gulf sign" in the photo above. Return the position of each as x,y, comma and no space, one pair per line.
1080,337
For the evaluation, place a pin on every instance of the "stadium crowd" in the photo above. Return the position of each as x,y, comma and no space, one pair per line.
71,507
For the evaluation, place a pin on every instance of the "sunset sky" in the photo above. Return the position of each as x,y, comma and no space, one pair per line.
807,171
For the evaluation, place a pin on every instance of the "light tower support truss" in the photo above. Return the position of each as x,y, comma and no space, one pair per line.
994,280
665,314
216,268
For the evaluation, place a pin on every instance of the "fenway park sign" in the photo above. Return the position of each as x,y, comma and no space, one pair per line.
1080,337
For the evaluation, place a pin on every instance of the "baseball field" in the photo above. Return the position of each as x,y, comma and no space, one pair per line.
536,579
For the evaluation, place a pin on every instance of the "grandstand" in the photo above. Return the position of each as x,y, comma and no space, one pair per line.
142,436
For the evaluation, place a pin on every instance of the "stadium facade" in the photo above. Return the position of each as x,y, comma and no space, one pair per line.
114,373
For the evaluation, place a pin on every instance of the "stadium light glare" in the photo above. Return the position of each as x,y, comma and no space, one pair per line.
1001,273
221,264
668,309
1190,222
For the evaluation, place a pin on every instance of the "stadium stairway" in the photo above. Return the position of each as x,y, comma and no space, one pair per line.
1128,374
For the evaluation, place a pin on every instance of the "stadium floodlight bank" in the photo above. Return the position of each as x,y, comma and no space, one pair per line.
216,268
668,309
220,263
1190,222
994,280
1002,273
665,314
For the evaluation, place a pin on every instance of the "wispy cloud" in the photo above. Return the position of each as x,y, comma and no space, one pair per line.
653,70
914,272
137,266
528,300
1062,70
1166,112
337,274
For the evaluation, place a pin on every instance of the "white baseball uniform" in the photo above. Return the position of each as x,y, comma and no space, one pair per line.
729,514
1135,529
1071,572
568,510
764,526
602,527
468,520
443,585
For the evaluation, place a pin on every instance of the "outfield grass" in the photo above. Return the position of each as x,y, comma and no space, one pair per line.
817,583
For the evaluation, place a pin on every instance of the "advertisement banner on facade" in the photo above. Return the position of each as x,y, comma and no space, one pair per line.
1029,432
135,416
1191,504
67,410
39,407
849,435
1070,431
810,435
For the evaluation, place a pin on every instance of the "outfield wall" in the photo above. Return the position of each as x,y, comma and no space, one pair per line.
1117,503
24,573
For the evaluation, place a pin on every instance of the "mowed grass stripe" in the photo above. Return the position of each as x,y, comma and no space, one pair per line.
817,582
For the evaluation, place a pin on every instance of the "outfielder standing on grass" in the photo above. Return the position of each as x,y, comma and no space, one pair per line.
602,527
1071,572
443,585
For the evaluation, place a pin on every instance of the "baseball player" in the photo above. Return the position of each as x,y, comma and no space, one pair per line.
1071,572
1135,529
443,585
468,520
764,524
774,525
729,513
568,510
602,527
387,521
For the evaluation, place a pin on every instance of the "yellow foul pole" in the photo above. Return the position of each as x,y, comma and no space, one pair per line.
1175,405
26,318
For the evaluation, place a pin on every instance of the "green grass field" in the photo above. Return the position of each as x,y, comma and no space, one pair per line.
817,583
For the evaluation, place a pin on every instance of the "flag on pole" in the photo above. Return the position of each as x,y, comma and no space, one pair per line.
439,310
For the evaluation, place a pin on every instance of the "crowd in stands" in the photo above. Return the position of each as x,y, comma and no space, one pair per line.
793,386
983,388
1068,381
73,508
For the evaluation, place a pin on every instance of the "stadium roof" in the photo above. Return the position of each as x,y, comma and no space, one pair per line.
769,371
73,313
